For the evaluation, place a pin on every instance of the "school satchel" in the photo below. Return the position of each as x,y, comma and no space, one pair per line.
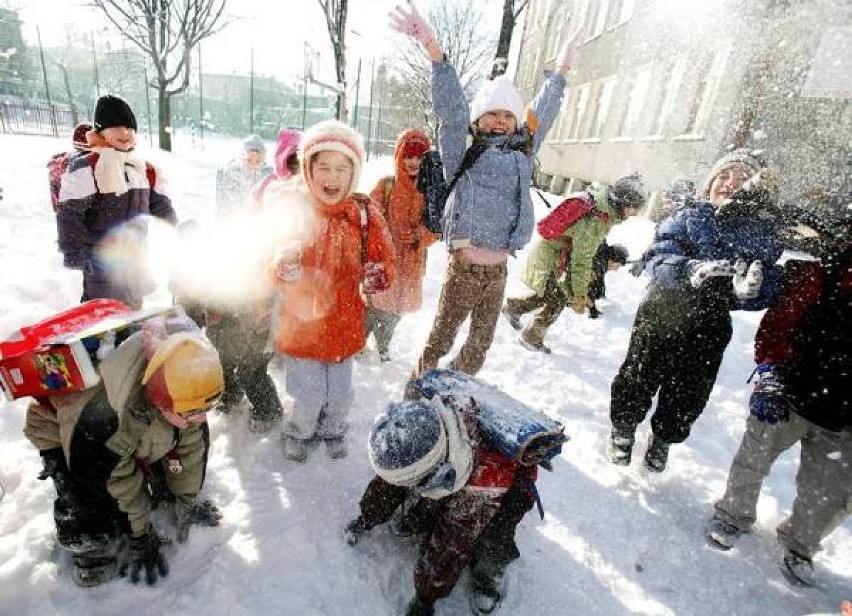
573,208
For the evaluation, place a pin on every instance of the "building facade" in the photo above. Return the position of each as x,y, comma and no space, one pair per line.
664,87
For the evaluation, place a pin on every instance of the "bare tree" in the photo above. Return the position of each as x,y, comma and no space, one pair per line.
511,11
167,31
458,27
335,12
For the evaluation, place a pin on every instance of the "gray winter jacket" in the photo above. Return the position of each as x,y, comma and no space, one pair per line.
490,205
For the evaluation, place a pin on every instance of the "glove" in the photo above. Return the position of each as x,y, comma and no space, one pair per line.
764,186
287,261
354,531
412,24
769,402
375,278
747,279
699,271
579,303
565,59
145,553
189,512
636,267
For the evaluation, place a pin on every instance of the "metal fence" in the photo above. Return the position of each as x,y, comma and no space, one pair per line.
38,118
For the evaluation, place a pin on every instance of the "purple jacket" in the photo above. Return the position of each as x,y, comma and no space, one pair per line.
84,214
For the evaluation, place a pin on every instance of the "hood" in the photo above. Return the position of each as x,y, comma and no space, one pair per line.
412,138
286,145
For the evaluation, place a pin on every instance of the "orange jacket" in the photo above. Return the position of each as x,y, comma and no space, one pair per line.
402,207
320,315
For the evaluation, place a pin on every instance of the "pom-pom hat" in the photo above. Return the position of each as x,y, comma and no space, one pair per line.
499,93
334,136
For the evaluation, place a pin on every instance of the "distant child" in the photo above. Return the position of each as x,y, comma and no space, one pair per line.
318,269
401,205
235,181
103,188
286,163
59,162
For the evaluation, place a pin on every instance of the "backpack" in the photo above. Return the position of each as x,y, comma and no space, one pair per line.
55,169
573,208
434,186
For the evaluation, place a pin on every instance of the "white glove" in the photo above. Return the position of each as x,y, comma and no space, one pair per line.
699,271
747,279
565,59
412,24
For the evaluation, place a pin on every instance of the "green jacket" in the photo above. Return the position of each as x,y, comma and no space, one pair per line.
579,242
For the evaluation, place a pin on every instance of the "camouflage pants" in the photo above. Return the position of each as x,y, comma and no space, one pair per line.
552,302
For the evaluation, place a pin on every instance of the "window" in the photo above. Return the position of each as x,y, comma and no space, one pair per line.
579,111
603,99
672,87
620,11
635,102
710,73
563,120
600,17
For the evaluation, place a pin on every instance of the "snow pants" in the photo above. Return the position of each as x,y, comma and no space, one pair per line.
552,302
676,355
469,289
823,482
322,396
382,325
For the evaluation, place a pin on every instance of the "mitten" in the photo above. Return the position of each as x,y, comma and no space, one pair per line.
412,24
769,402
565,59
287,262
579,303
636,267
747,279
763,187
699,271
145,554
355,530
375,278
189,512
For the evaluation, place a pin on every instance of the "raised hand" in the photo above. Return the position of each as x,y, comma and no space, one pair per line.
411,23
565,59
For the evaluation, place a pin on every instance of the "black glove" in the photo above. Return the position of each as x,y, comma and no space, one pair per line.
189,512
355,530
56,468
769,402
145,552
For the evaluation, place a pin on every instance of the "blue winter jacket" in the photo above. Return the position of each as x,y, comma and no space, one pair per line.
490,205
698,233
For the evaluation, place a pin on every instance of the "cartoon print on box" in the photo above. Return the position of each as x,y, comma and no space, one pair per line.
53,371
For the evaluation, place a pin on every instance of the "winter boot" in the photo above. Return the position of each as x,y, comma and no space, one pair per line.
487,586
513,319
336,448
534,343
594,313
261,421
295,449
620,447
656,455
720,534
94,570
419,607
798,569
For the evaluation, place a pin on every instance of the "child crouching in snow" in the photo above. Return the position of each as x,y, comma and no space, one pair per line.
317,271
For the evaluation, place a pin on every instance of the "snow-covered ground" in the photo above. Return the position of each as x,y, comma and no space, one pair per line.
613,541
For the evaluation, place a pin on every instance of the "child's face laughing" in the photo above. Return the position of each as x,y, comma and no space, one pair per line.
120,138
331,176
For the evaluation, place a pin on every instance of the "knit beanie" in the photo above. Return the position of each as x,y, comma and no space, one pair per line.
286,146
628,191
253,143
499,93
743,156
407,442
617,253
112,111
334,136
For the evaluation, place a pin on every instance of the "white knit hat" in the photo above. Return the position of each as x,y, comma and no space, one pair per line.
335,136
499,93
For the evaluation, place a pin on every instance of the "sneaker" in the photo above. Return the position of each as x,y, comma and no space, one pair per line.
620,447
295,449
656,455
336,448
513,319
720,534
384,356
798,569
538,347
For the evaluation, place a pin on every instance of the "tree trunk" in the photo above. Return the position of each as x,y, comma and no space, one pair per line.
165,118
74,116
507,27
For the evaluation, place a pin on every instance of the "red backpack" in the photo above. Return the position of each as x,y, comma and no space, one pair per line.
55,168
573,208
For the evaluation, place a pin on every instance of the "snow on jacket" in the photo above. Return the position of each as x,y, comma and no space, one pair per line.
572,253
110,433
84,215
698,233
808,334
462,517
401,204
320,316
491,204
234,184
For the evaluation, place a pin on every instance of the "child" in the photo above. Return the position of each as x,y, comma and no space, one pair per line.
401,205
339,241
489,215
286,163
235,181
102,189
